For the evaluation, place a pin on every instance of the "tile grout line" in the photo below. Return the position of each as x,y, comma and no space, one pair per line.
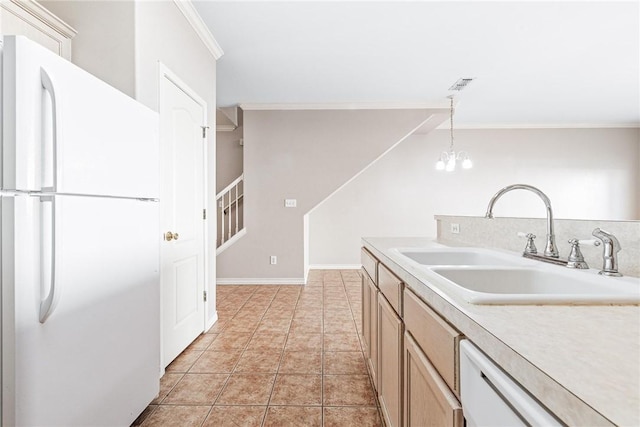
277,297
187,371
275,378
322,358
198,358
226,382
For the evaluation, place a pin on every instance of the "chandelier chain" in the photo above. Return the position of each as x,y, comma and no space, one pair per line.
451,118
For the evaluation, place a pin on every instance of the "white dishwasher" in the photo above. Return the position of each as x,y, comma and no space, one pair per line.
490,398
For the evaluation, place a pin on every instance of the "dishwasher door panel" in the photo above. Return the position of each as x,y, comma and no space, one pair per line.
491,398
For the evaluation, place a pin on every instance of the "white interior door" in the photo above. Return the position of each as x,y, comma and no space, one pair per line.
182,201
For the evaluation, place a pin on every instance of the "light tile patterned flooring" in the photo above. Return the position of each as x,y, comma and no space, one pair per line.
278,356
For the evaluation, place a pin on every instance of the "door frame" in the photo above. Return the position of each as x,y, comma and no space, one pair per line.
165,73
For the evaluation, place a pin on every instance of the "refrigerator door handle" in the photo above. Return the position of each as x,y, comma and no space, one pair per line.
50,152
48,259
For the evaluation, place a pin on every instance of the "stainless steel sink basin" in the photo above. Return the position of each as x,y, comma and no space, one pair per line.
460,256
538,286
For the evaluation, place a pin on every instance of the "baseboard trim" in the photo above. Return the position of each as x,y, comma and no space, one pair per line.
335,267
261,281
212,321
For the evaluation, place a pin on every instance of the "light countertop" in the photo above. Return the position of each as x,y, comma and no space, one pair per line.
581,361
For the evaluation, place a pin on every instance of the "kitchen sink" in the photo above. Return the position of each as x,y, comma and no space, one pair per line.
460,256
502,285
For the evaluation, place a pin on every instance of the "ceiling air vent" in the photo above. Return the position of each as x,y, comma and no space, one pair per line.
461,84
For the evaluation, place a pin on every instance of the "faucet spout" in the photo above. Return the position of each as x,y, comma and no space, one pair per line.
550,247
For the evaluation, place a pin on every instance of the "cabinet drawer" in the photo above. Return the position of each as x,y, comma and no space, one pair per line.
369,264
438,340
391,287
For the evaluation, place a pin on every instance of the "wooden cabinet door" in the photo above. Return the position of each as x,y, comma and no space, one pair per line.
389,363
369,325
427,399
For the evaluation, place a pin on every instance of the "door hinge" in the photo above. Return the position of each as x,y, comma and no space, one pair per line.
204,214
204,131
204,296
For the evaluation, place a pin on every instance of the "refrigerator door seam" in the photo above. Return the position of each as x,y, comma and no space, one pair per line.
100,196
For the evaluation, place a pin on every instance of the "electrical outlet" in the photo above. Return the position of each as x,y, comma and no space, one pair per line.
290,203
273,260
455,228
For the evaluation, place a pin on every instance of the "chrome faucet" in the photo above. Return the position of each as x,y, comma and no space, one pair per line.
611,247
550,249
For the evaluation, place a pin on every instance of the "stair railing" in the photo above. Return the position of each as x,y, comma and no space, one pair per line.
228,201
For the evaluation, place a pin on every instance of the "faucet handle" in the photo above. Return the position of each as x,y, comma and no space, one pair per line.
575,259
531,246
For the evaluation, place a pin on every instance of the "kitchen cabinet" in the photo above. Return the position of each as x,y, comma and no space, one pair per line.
390,330
29,18
428,399
412,352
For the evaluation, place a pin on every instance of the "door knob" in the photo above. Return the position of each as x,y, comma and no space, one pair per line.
169,236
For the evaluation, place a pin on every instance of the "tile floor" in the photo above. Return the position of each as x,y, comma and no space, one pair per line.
278,356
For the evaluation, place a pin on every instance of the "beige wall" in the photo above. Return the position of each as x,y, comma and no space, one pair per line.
122,42
229,155
104,45
587,173
303,155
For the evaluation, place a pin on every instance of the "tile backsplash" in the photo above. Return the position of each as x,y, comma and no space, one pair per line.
502,233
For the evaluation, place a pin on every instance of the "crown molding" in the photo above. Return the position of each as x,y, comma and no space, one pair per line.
445,126
350,106
43,15
201,29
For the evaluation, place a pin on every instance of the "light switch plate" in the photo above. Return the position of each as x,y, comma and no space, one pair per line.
455,228
290,203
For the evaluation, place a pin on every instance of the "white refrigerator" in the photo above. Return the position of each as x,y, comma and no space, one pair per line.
80,245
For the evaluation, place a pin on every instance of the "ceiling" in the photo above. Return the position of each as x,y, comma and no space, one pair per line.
556,63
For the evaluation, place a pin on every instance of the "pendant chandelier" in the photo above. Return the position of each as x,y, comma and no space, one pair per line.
449,159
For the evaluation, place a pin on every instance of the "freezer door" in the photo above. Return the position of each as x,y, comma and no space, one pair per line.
66,131
93,357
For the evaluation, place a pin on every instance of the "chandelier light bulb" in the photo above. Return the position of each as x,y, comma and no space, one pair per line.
467,164
451,163
440,165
